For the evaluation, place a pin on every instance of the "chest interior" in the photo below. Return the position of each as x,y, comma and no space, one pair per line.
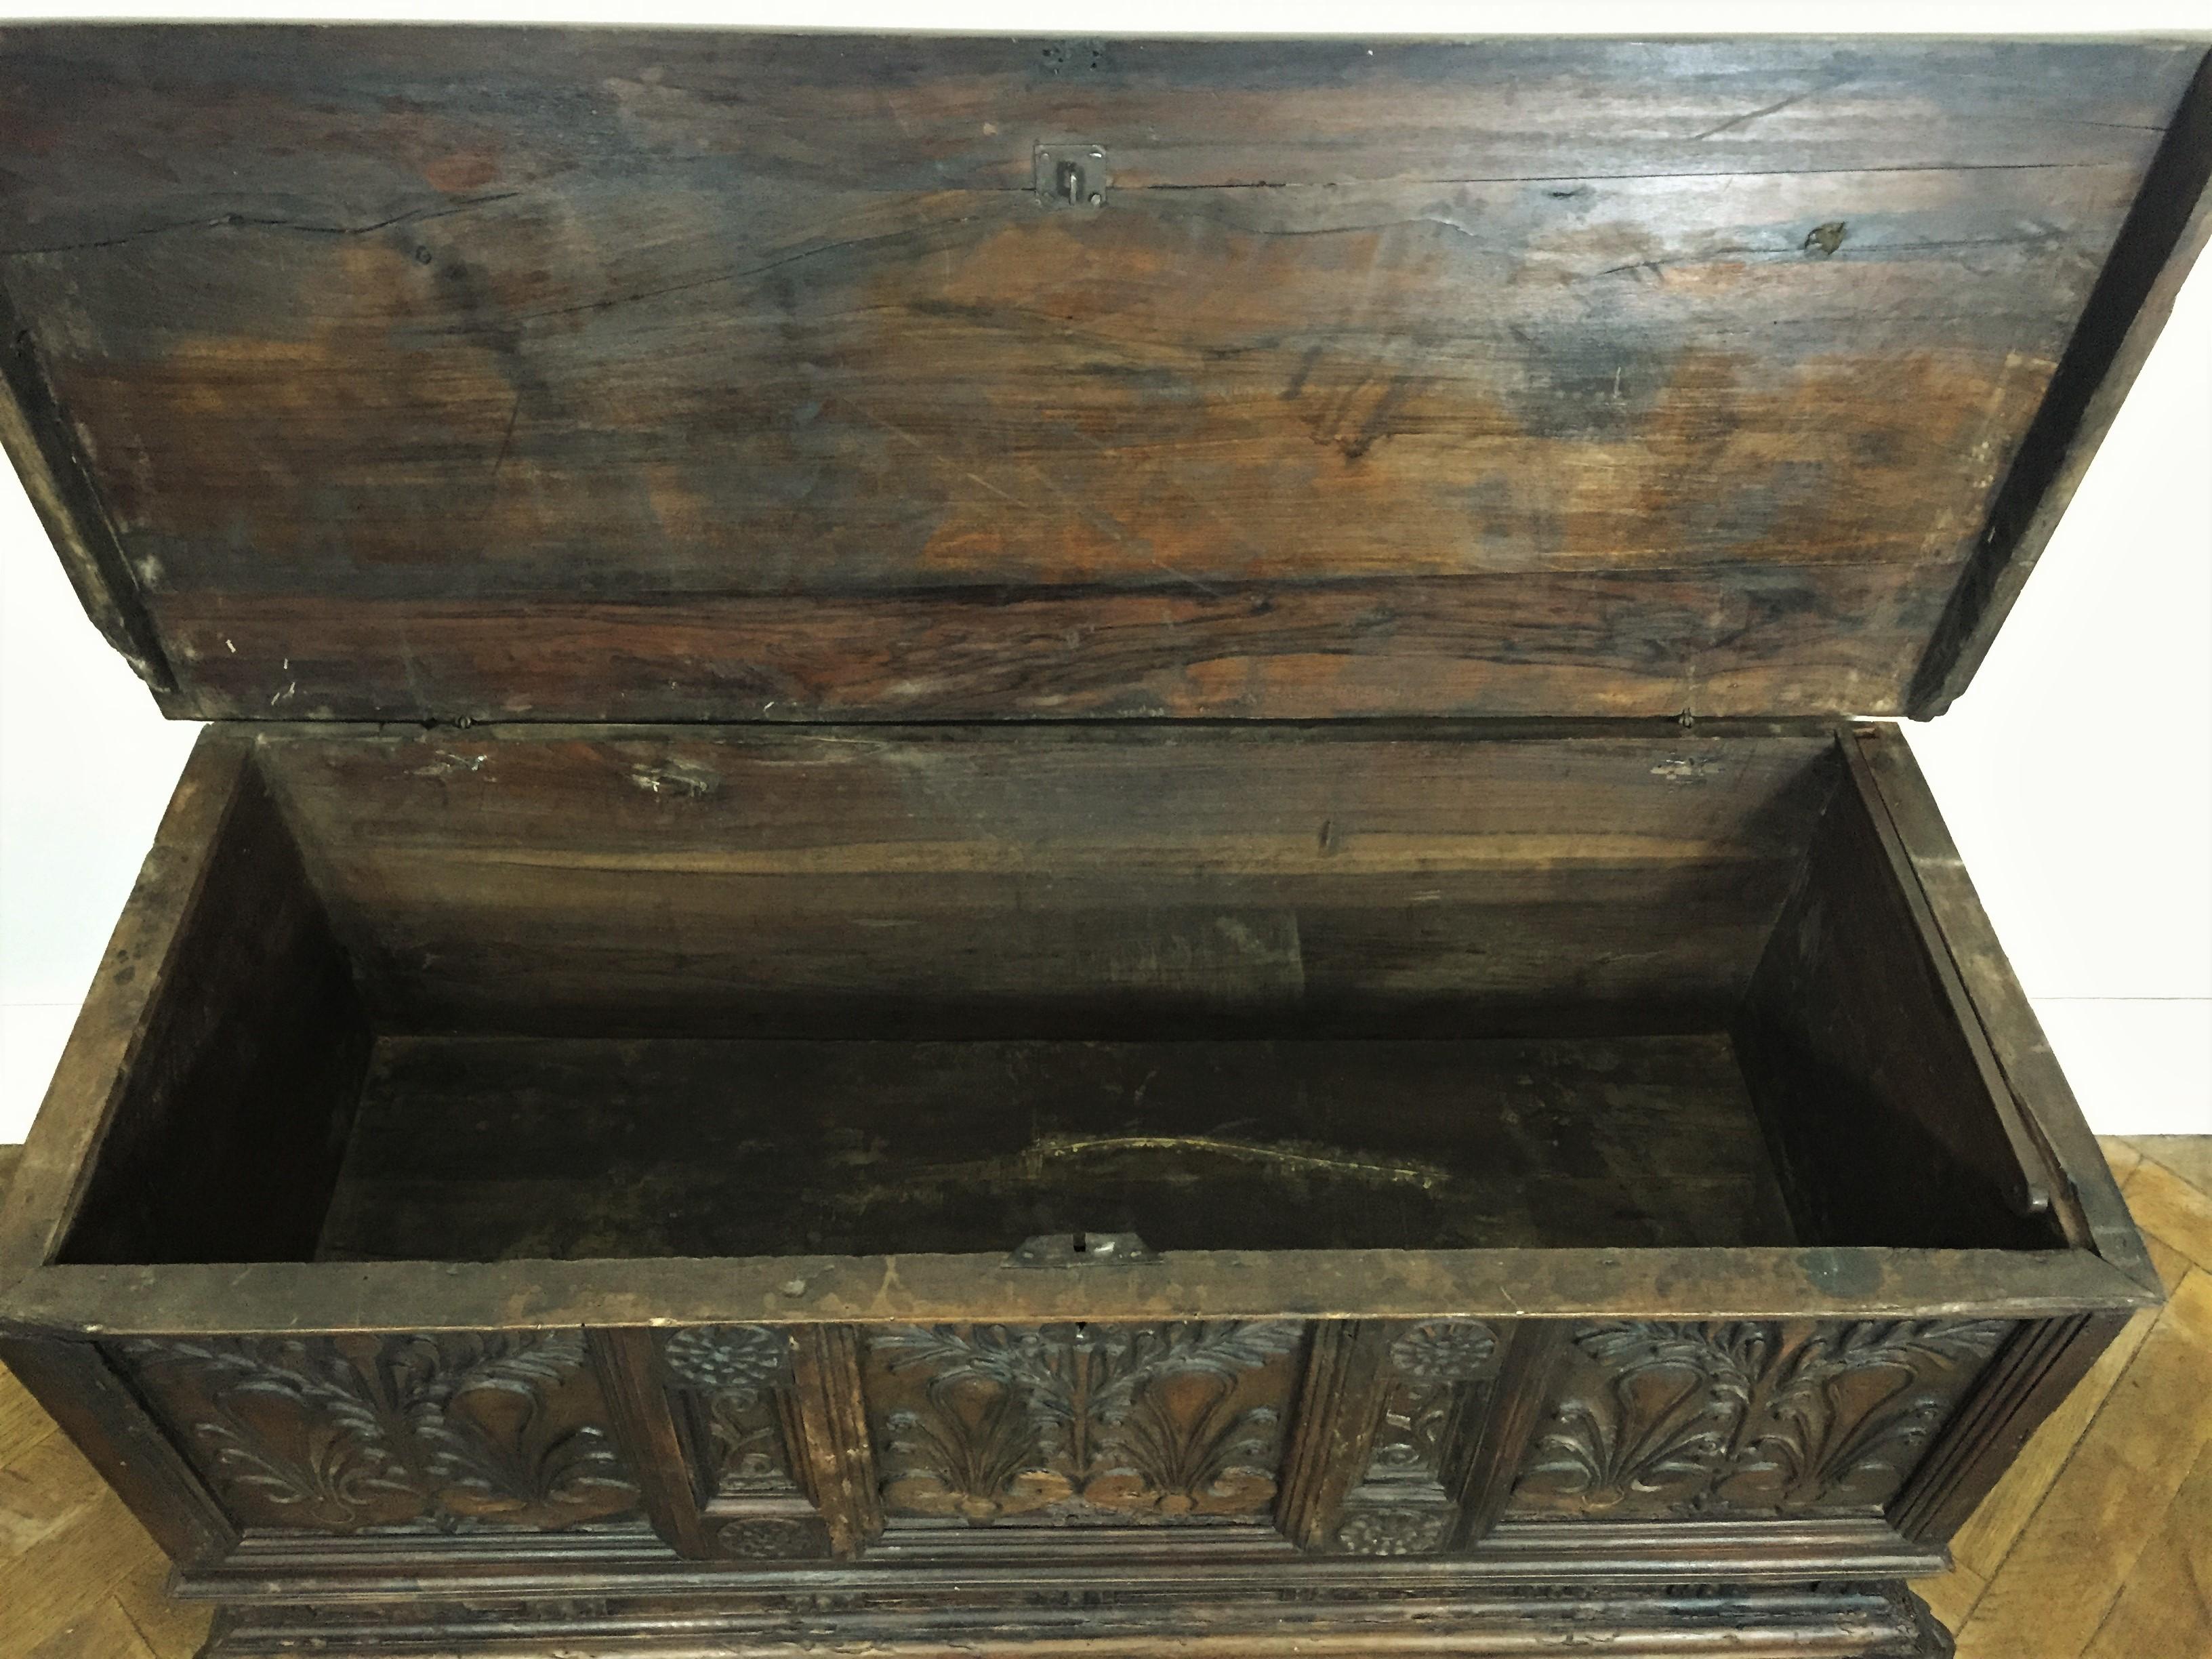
490,993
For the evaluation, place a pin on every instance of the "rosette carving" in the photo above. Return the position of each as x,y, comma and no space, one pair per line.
730,1376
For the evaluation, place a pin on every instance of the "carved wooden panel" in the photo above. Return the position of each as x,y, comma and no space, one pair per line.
731,1380
730,1389
1407,1501
1170,1423
443,1432
1747,1416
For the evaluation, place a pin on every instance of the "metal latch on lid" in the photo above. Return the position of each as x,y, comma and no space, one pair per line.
1082,1250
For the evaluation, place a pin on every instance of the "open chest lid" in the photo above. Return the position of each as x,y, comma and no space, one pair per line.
611,375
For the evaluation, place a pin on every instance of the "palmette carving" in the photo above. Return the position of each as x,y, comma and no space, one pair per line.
1748,1417
1174,1422
443,1431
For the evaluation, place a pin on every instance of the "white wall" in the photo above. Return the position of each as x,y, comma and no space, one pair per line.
2076,774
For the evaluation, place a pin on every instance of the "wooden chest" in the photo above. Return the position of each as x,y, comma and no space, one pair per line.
1063,846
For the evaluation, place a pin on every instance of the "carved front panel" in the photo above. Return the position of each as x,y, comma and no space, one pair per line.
1747,1416
445,1432
1171,1423
1406,1503
730,1389
731,1381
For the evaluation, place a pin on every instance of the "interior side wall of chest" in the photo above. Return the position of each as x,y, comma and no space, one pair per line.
538,993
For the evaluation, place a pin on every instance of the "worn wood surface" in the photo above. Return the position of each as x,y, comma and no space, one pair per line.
85,1582
674,375
82,1581
239,1093
1489,878
2085,1200
126,1003
475,1149
1896,1124
2165,232
2093,1543
601,376
79,1577
1133,882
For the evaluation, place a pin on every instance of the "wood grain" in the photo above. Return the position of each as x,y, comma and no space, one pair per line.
235,1105
618,374
78,1575
2149,1617
2165,232
2054,1587
477,1149
2165,1605
2173,1208
1887,1117
1981,1545
2085,1199
105,1633
1125,882
123,1005
2189,1157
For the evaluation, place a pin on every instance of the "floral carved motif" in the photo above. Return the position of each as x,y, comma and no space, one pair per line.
1162,1423
1749,1416
448,1431
730,1375
1400,1506
1444,1351
775,1538
746,1359
1403,1529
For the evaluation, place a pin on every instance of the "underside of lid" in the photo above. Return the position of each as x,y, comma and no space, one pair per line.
608,375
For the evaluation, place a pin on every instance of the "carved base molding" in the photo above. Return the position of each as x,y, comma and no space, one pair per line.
1130,1618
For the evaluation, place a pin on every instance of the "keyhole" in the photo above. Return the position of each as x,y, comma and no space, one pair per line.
1071,181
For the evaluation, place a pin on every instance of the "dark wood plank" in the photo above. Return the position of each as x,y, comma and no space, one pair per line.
471,1149
126,1003
636,1395
1053,881
834,1442
2031,1379
652,375
1888,1114
1733,640
1498,1442
1829,1281
73,1381
1341,1401
2165,232
1209,111
52,468
237,1099
2032,1078
1984,1126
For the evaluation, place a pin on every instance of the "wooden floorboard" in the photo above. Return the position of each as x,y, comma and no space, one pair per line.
2097,1546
